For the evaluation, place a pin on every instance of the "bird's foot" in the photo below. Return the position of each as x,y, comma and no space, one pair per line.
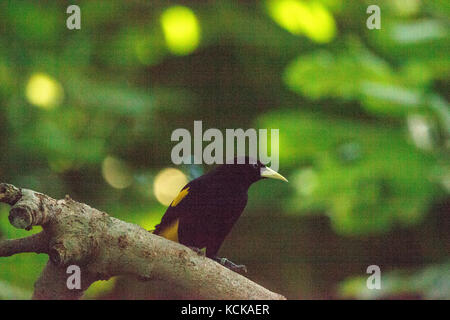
239,268
200,252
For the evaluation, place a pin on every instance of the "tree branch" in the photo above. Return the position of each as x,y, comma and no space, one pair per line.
36,243
102,246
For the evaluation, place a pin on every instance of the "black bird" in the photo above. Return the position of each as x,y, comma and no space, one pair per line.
205,210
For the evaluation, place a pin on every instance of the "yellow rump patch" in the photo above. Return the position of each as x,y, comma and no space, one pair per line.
171,232
180,197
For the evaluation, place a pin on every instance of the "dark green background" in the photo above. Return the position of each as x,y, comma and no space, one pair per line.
363,117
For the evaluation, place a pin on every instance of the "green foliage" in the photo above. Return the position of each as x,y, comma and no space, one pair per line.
429,283
342,169
363,114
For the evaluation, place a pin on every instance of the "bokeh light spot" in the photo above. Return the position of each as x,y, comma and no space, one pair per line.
116,173
168,184
311,19
43,91
420,132
306,181
181,30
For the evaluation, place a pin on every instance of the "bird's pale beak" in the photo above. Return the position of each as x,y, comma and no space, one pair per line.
272,174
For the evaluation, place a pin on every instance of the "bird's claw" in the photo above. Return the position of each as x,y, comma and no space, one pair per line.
239,268
200,252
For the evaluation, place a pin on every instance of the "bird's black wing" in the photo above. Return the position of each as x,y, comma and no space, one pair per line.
168,227
203,213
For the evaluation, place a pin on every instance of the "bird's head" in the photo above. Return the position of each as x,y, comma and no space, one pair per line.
250,170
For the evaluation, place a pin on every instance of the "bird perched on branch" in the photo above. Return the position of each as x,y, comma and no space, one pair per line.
205,210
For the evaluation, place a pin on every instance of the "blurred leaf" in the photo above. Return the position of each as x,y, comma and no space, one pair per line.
33,22
323,74
119,98
432,282
99,288
366,178
10,292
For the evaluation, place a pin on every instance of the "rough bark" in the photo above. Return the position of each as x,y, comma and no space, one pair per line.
103,246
